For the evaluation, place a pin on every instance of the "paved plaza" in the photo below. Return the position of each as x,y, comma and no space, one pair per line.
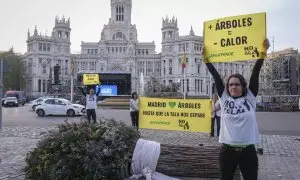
281,143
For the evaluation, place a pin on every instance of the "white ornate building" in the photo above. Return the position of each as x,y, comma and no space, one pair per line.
119,51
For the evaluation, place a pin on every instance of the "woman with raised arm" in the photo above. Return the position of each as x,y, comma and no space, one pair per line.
91,103
239,132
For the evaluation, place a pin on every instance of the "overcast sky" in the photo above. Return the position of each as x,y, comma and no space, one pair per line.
89,16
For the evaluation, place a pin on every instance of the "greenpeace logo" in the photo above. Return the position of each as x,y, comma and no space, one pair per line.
221,54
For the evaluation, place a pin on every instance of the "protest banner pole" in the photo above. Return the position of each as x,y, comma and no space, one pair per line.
1,90
184,70
72,88
184,83
72,80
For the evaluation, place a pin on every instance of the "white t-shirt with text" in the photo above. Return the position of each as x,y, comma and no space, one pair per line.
91,101
238,120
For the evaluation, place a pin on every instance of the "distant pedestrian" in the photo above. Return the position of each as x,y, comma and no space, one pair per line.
216,115
134,109
91,104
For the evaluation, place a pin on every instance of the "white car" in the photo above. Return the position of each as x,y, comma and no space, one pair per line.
32,104
58,106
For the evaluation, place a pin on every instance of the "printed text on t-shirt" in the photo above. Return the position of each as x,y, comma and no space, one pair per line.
230,107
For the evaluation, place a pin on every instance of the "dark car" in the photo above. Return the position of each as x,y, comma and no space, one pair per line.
10,101
20,95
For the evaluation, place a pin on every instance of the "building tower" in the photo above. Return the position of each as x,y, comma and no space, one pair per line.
169,29
62,30
61,34
121,11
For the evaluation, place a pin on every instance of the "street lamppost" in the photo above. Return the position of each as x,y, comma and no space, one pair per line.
1,89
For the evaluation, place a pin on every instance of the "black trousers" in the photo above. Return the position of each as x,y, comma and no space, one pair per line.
91,113
217,118
135,118
245,158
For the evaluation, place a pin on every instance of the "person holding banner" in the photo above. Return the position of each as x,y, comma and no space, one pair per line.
239,131
91,104
134,109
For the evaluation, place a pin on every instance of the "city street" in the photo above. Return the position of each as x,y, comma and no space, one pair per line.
275,123
24,116
280,140
113,48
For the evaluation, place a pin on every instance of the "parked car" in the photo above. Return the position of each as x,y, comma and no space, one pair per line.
10,101
20,95
32,104
58,106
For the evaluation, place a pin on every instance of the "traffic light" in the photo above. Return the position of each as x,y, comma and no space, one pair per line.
56,74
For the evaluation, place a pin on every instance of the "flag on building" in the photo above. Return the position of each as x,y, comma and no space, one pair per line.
72,66
184,58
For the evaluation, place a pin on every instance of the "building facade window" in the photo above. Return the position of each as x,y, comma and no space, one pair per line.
39,85
44,69
48,48
201,85
119,13
170,70
40,47
149,68
66,34
30,66
157,68
44,85
170,66
140,67
207,89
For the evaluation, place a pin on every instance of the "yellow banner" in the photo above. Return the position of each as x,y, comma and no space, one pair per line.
90,79
236,38
175,114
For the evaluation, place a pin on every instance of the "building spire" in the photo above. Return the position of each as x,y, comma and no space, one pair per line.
192,31
35,31
28,34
